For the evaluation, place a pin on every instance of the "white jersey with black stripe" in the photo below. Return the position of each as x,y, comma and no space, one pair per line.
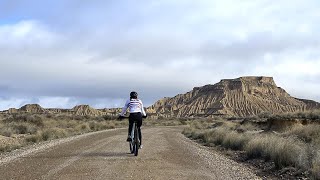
134,105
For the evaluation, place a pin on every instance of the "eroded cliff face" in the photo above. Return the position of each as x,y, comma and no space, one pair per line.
84,110
243,96
30,108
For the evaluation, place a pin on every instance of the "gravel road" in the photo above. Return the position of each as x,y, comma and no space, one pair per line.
166,154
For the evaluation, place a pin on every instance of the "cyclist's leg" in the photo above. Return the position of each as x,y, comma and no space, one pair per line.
131,120
139,123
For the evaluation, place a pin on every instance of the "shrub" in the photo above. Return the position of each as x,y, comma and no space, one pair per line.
282,151
7,131
24,128
215,136
110,125
235,141
315,169
34,138
53,133
9,147
83,127
187,131
307,133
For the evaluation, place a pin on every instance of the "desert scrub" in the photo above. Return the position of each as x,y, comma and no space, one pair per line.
193,133
82,128
305,115
282,151
308,133
315,169
297,147
11,128
53,133
27,118
9,147
235,141
33,128
6,131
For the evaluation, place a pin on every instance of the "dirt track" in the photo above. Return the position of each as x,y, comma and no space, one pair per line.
166,154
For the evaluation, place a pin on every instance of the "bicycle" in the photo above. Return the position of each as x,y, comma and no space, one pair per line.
134,144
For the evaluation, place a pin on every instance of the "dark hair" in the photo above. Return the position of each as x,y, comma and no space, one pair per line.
133,95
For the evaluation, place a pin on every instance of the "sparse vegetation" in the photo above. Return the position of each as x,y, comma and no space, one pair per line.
33,128
298,146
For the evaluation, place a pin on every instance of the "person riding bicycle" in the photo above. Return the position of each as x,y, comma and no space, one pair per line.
137,112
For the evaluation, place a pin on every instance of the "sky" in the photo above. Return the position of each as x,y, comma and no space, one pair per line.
61,53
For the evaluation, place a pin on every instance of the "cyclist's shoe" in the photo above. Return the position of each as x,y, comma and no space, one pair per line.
129,138
140,147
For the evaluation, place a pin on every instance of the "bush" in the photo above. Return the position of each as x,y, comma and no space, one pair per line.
24,128
315,170
188,131
7,131
307,133
9,147
83,127
34,138
110,125
235,141
53,133
282,151
217,136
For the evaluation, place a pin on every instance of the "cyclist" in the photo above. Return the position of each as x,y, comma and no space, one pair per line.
136,113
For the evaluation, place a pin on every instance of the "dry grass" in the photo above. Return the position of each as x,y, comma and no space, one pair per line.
316,166
282,151
235,141
298,147
30,128
9,147
308,133
305,115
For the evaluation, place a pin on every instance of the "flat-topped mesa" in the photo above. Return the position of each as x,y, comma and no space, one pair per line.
244,96
258,79
249,81
32,108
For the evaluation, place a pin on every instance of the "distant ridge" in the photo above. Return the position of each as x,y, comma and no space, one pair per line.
32,108
80,110
244,96
84,110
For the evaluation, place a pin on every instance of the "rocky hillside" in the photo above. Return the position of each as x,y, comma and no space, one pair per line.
243,96
84,110
81,110
31,108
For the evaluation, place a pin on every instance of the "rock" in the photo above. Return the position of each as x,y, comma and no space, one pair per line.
244,96
32,108
84,110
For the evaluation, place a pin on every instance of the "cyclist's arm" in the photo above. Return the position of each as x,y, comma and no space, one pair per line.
125,107
142,109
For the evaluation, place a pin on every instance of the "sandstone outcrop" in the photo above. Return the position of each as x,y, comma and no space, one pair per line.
244,96
32,108
86,110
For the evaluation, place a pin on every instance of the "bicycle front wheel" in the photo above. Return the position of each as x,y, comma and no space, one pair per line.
136,141
131,147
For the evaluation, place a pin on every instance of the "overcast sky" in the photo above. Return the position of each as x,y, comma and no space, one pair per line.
61,53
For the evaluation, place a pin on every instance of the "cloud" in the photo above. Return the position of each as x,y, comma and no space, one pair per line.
96,53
